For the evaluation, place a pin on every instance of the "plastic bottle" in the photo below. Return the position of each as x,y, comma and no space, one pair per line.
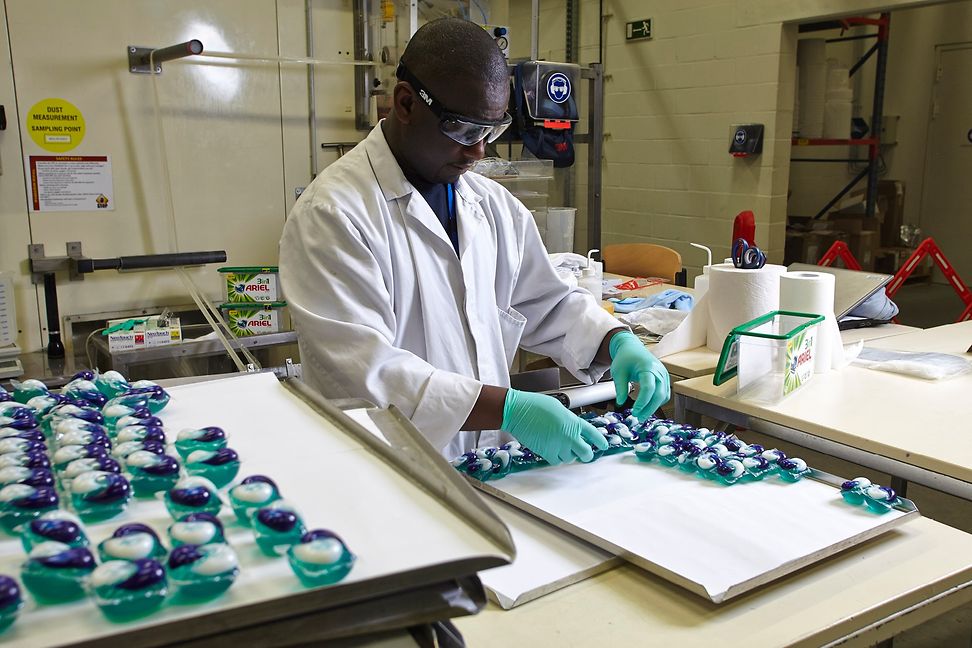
702,281
591,276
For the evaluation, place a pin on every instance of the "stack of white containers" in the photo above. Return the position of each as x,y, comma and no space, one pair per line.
812,79
839,107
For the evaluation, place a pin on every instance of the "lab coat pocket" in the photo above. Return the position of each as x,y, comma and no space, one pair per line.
511,324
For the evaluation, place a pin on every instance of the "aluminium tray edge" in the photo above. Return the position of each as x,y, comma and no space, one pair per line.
907,507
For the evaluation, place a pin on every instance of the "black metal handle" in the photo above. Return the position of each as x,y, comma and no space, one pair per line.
149,261
173,52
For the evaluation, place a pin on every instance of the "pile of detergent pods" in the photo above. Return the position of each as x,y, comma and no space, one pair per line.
94,446
860,490
716,455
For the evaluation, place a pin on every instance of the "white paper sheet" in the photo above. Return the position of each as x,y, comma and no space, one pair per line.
334,482
547,559
715,540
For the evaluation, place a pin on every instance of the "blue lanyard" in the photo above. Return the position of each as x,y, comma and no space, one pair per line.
452,201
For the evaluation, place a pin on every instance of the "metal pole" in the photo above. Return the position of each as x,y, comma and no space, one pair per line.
362,52
311,93
55,348
535,30
877,113
595,131
173,52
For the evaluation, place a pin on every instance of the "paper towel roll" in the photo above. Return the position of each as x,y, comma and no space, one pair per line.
736,296
813,292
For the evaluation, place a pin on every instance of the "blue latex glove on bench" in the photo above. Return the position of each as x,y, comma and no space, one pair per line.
632,363
544,425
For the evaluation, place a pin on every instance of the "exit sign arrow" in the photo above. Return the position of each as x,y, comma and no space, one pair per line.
638,30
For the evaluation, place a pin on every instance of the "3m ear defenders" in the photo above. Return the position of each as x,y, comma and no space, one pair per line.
546,109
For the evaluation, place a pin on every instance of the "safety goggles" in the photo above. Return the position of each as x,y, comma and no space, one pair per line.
459,128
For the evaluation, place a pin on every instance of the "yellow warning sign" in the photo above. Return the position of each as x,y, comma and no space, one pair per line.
55,125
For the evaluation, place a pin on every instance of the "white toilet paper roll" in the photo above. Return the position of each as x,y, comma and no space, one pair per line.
837,119
813,87
736,296
813,292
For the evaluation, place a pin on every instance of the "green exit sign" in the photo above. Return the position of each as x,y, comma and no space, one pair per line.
638,30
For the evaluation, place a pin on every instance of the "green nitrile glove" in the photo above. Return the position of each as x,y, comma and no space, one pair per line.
544,425
631,362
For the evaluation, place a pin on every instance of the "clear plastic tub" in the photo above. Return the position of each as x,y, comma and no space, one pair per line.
513,170
772,355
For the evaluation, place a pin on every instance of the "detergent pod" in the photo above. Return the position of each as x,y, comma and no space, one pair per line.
207,438
277,526
55,572
158,398
196,529
24,391
125,590
10,601
252,493
111,383
152,472
201,572
133,541
192,495
99,495
320,558
21,503
218,466
53,526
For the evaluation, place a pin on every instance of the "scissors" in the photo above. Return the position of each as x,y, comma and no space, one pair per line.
746,256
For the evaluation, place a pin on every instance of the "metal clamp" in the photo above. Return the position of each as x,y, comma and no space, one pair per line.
40,264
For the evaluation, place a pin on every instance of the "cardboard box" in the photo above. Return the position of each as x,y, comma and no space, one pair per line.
890,259
853,223
245,320
245,284
863,246
808,247
890,201
821,241
795,249
143,332
806,223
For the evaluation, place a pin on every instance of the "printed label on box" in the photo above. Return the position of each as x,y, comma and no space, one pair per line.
251,287
121,341
799,360
244,322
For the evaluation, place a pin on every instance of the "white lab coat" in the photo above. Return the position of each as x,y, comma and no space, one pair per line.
386,311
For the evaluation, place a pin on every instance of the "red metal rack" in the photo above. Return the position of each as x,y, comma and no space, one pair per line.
928,247
839,250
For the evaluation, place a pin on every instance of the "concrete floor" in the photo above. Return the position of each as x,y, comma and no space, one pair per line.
926,304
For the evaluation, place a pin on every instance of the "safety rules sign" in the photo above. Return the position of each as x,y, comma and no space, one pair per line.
70,183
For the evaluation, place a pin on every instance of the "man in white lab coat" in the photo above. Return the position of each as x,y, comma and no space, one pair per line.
412,283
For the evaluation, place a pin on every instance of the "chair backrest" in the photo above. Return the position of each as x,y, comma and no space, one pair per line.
642,260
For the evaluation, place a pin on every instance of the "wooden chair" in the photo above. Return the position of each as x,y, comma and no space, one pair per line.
644,260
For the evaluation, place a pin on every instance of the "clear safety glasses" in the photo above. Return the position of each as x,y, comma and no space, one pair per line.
459,128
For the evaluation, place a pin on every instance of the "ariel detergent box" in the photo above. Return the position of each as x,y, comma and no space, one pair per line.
245,320
251,284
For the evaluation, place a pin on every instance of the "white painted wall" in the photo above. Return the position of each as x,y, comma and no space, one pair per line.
236,133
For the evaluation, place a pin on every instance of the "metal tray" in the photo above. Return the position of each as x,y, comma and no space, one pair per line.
417,527
716,541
